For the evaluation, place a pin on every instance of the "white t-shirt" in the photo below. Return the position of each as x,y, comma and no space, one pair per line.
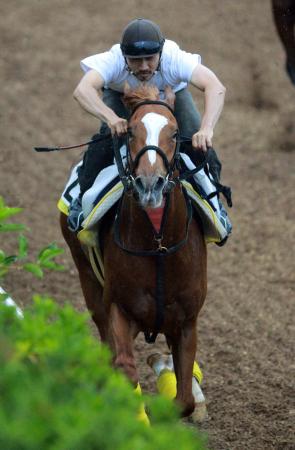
175,70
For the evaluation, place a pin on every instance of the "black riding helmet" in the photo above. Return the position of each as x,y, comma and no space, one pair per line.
141,38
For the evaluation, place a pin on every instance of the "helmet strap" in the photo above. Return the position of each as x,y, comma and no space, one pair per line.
127,67
157,69
159,63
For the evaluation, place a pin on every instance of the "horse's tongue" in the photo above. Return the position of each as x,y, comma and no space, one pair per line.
155,216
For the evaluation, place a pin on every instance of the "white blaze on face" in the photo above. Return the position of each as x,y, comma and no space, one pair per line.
153,123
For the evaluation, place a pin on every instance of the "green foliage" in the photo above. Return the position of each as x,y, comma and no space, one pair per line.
3,296
45,258
58,391
5,213
57,388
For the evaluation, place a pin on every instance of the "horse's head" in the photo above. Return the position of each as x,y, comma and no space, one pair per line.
152,141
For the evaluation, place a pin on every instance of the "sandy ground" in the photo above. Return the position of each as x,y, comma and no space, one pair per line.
246,328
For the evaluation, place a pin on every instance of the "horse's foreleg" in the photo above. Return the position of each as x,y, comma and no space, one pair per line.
121,335
91,288
183,351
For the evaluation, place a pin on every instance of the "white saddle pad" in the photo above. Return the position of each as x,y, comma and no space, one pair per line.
107,190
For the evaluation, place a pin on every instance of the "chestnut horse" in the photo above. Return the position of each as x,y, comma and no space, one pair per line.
155,275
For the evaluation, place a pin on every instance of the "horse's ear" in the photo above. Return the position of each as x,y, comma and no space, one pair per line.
127,88
169,96
127,95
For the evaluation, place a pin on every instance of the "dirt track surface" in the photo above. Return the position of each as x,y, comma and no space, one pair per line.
246,326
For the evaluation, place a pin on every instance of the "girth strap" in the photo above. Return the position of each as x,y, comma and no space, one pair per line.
150,338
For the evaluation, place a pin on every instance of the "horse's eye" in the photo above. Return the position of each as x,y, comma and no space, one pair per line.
130,134
175,134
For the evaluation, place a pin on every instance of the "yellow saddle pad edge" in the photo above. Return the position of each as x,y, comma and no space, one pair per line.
63,207
116,188
211,213
189,187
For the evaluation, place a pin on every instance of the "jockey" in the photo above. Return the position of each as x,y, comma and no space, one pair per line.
145,56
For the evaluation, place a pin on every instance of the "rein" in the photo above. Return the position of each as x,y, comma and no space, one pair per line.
70,147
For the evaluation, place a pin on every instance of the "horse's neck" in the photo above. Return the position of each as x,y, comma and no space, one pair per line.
177,216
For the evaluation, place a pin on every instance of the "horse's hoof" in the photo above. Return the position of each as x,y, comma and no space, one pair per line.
200,413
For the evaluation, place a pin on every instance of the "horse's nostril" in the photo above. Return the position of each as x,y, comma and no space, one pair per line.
160,183
149,185
139,184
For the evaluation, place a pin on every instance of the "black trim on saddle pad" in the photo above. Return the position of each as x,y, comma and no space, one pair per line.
108,188
67,194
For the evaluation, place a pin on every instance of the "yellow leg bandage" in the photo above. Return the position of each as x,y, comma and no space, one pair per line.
197,373
142,415
166,382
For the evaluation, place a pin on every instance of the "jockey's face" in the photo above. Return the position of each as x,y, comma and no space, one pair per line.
144,68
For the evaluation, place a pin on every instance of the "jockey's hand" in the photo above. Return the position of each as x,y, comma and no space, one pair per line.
118,125
203,139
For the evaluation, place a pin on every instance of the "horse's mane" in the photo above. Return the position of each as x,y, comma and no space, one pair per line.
132,97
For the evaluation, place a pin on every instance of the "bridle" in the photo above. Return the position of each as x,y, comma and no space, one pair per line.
127,173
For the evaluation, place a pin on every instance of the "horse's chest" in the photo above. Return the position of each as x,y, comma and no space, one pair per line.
141,306
139,287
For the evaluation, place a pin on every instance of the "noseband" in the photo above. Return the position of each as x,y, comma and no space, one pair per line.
126,174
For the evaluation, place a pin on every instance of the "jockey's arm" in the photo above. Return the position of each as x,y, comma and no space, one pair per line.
87,95
205,80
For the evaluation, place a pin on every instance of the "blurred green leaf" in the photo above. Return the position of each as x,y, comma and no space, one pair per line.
6,212
9,260
2,256
52,265
12,227
35,269
49,252
22,246
3,297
